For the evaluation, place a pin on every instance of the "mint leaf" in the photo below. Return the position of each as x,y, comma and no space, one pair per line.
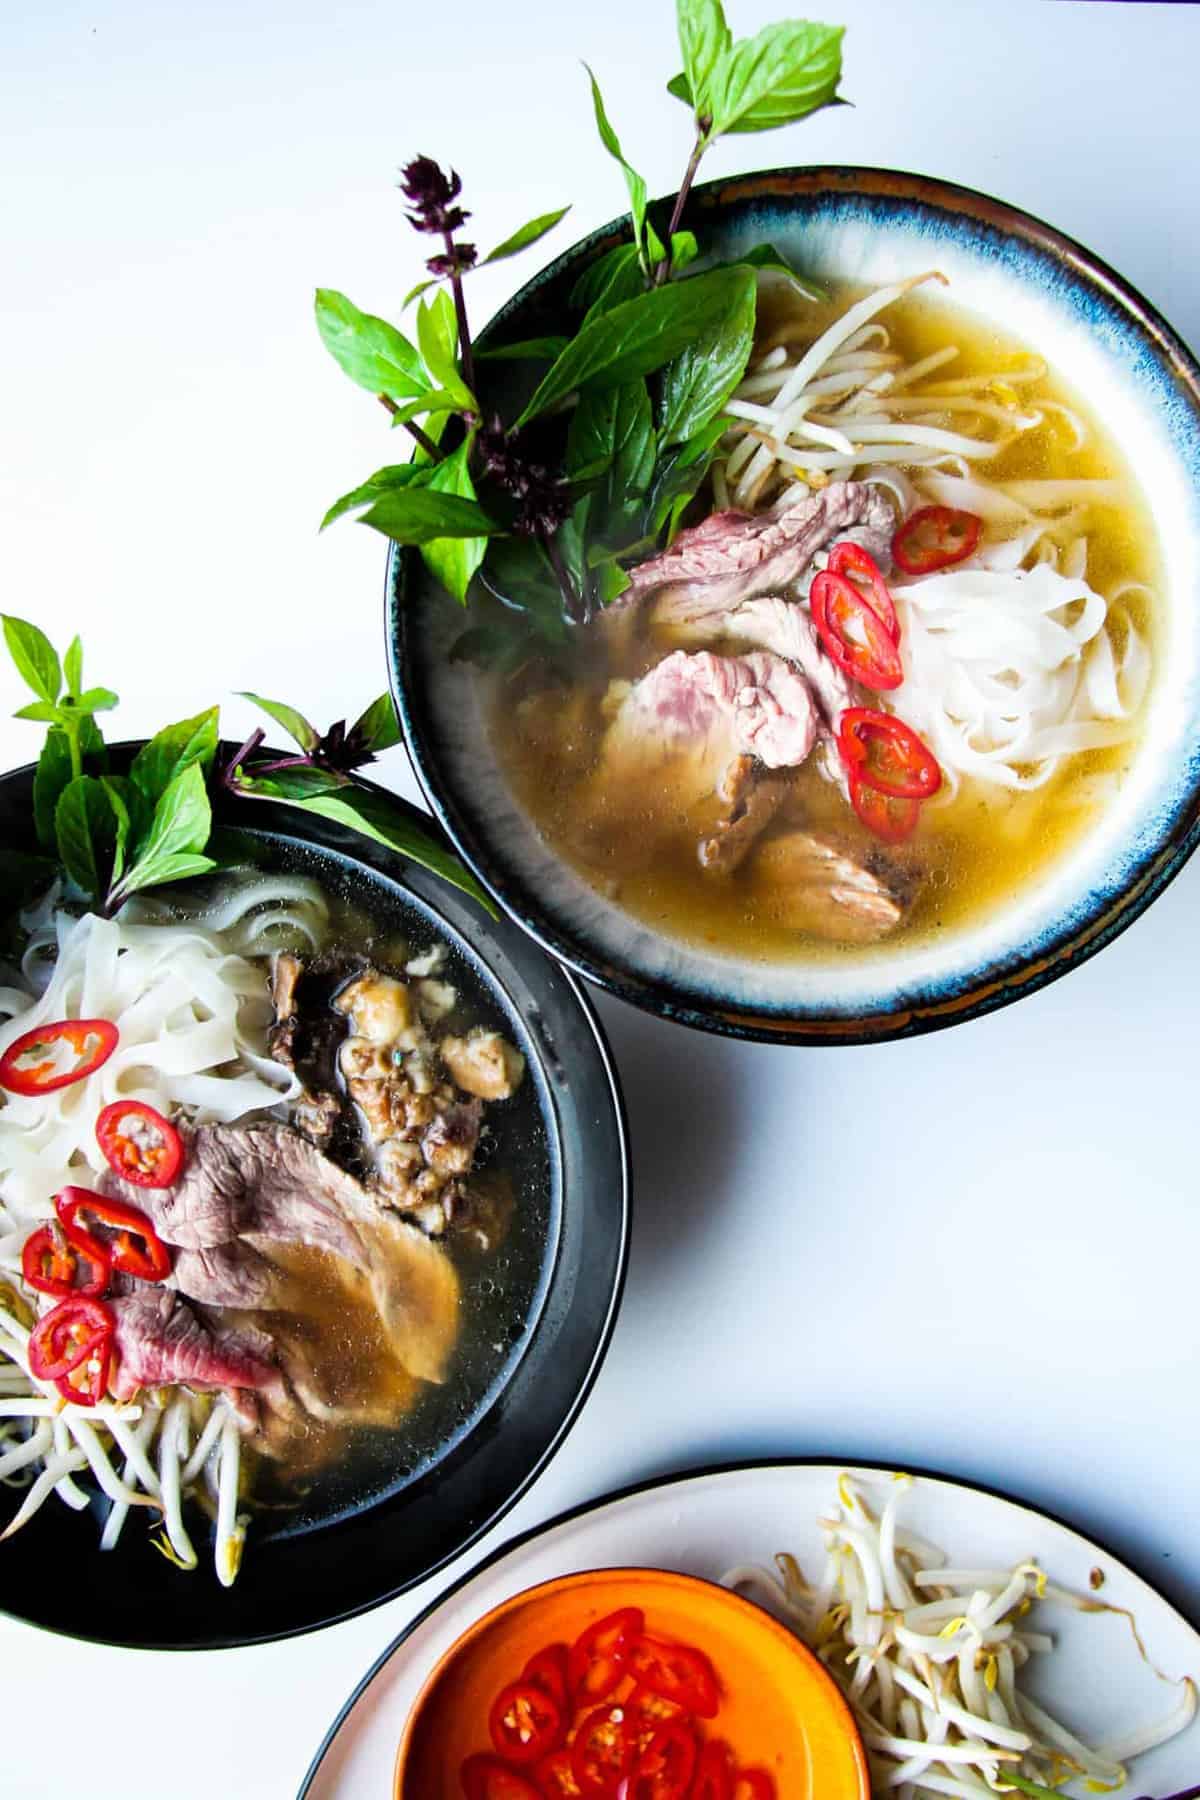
172,750
35,657
383,481
633,181
418,515
293,722
639,336
51,776
85,829
378,727
369,350
697,384
437,336
528,234
784,73
704,40
454,560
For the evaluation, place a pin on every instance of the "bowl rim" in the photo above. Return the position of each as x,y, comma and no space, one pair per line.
1069,944
275,821
721,1597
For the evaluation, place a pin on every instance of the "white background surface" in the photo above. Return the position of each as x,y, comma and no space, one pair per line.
977,1251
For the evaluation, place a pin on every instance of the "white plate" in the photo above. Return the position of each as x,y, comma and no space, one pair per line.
702,1524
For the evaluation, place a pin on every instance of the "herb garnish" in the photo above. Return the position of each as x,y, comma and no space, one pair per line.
546,510
114,835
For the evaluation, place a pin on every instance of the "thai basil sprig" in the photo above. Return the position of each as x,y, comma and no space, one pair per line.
546,509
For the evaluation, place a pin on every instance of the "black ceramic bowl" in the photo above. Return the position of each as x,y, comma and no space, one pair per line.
869,227
298,1575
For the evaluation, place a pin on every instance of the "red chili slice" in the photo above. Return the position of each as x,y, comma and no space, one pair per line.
599,1656
50,1263
31,1064
935,537
887,754
892,819
138,1144
851,560
74,1339
753,1784
714,1773
555,1778
151,1261
678,1673
602,1752
487,1778
649,1712
525,1723
548,1671
853,632
664,1769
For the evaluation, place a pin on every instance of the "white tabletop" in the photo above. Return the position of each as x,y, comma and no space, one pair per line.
977,1251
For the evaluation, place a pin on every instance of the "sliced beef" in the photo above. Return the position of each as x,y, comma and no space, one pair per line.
785,628
162,1339
817,885
751,795
719,706
732,556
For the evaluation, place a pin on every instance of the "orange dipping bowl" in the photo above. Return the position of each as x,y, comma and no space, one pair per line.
780,1711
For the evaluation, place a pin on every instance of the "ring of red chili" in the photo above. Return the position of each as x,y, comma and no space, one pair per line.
664,1768
883,752
74,1336
936,537
853,632
526,1723
487,1778
151,1261
850,560
50,1262
138,1144
890,818
93,1041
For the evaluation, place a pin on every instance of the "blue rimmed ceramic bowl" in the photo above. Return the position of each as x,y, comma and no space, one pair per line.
868,226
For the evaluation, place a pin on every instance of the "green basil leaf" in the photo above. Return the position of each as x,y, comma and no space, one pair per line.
528,234
97,699
293,722
611,582
378,726
697,384
383,481
617,275
612,432
433,400
51,776
300,783
684,250
368,350
766,256
517,571
119,790
678,86
180,826
633,181
85,829
678,477
784,73
638,336
437,336
73,667
156,869
412,294
704,40
529,350
375,817
454,560
42,712
35,657
418,515
173,750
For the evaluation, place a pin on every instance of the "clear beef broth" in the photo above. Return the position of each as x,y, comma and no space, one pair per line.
333,1469
638,844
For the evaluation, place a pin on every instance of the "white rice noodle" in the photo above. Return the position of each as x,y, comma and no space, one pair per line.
192,1018
1007,672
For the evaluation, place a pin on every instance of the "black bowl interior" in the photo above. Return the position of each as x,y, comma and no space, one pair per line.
567,1151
